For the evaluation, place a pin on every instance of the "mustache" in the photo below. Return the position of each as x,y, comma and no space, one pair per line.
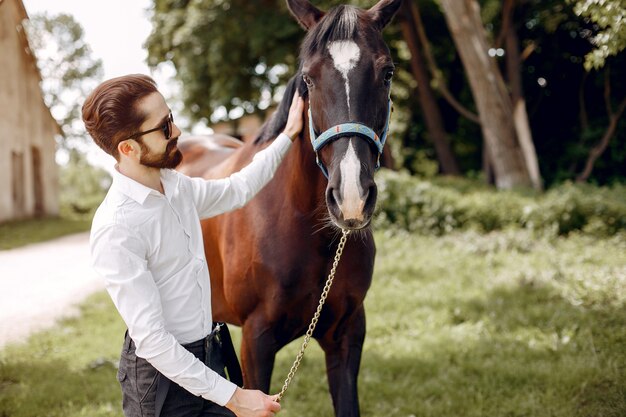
171,144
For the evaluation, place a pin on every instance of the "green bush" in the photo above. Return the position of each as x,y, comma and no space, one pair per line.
443,205
570,207
83,187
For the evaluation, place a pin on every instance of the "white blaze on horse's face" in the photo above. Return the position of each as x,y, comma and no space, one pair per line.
352,204
345,56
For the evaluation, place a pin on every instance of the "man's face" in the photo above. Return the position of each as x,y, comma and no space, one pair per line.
171,158
156,150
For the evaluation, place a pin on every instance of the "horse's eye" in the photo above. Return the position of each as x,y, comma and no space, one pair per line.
307,80
388,77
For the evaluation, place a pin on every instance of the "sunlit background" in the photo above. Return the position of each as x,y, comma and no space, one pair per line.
116,31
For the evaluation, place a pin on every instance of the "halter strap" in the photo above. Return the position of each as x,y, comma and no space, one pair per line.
347,129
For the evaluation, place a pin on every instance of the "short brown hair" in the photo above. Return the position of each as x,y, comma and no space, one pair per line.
110,114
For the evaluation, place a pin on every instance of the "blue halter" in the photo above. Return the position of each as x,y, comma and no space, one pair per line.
347,129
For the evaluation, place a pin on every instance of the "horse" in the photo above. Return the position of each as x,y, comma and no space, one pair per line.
269,259
201,152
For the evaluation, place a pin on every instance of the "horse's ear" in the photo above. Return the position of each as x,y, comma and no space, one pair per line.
306,14
383,11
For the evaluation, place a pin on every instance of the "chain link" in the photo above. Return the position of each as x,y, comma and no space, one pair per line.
316,316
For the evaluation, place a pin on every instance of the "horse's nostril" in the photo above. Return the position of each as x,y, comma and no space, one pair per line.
370,197
331,197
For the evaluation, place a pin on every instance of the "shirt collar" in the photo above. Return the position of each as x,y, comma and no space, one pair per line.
169,179
140,192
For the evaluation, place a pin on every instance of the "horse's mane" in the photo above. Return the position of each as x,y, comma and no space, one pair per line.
340,23
277,122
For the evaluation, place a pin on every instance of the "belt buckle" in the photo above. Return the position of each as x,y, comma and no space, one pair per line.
208,342
216,333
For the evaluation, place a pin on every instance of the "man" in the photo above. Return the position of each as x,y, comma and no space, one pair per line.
146,243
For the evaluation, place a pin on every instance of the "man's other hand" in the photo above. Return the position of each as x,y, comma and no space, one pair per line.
253,403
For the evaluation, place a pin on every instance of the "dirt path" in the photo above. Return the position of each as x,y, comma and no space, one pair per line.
43,282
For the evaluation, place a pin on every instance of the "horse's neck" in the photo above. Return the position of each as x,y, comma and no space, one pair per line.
303,181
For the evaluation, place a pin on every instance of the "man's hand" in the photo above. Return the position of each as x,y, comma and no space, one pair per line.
252,403
294,120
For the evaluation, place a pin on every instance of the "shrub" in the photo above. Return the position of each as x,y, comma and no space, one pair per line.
443,205
82,187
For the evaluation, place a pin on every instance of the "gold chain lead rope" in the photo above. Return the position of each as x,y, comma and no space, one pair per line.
316,316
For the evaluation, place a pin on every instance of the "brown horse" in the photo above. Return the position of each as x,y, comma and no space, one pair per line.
269,260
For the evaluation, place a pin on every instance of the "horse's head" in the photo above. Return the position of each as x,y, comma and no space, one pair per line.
347,69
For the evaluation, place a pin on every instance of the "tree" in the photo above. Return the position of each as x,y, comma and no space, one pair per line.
83,186
227,54
411,24
69,73
614,116
518,101
610,39
68,70
507,154
610,16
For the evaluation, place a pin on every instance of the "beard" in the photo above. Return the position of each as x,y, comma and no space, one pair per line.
170,159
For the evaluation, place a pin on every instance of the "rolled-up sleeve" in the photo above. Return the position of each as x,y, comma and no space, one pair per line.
119,255
213,197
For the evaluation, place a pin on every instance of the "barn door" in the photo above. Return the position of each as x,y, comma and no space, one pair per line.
37,181
17,171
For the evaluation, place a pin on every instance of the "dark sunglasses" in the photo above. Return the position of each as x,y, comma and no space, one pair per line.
166,127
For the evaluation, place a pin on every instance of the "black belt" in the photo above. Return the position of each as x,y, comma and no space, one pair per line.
206,341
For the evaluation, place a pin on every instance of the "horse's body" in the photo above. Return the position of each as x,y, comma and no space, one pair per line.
269,260
206,151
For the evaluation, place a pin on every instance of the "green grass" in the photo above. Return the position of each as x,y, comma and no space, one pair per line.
22,232
68,370
504,324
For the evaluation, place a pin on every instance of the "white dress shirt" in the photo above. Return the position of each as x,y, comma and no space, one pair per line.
148,247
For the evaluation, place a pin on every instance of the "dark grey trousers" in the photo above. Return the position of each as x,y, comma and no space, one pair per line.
147,393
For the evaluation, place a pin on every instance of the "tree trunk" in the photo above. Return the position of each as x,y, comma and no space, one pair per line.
520,116
487,168
597,150
490,94
430,108
438,81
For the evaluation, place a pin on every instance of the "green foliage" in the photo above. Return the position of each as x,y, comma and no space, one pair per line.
68,70
226,53
610,39
440,207
83,187
570,207
473,325
568,110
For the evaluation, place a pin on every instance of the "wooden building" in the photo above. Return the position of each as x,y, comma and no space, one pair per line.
29,185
